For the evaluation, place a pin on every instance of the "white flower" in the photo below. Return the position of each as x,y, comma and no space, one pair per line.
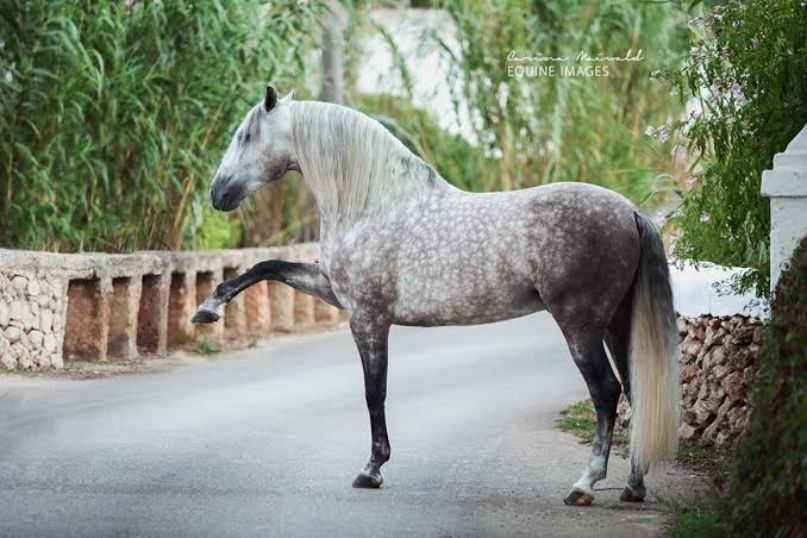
705,217
650,131
9,76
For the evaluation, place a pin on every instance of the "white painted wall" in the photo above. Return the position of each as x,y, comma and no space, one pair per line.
432,89
786,186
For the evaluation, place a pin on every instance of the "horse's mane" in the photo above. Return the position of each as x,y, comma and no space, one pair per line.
351,162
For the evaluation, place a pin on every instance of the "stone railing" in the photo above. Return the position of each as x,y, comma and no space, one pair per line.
61,307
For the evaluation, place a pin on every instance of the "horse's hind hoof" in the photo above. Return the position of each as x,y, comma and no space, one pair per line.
578,498
629,496
366,481
205,316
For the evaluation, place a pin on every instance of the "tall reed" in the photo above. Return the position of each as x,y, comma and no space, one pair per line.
113,114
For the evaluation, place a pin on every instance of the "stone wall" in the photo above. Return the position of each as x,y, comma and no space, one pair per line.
31,320
717,366
95,307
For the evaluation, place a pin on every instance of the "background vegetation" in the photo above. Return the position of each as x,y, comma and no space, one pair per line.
113,115
766,479
559,127
748,73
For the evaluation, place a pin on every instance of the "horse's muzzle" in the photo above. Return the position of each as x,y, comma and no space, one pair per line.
224,195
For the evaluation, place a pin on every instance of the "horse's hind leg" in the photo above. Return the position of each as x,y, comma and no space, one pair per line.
617,337
588,353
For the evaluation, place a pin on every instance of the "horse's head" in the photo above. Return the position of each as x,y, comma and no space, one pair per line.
259,153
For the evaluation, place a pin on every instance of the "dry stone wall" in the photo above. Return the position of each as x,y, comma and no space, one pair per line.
717,366
31,320
62,307
718,355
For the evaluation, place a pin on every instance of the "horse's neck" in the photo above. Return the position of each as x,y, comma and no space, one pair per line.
355,168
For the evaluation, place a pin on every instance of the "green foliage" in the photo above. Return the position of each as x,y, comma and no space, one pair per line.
696,522
766,478
206,346
748,71
558,127
766,491
113,115
580,419
216,229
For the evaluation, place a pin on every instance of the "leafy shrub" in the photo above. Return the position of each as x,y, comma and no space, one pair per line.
113,115
748,71
766,491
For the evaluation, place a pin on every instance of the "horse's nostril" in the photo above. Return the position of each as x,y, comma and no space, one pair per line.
218,193
224,196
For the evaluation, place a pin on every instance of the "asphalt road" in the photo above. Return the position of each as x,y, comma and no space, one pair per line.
266,442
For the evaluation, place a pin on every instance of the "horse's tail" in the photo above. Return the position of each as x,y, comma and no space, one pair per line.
655,384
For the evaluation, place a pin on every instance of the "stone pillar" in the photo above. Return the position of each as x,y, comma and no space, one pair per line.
123,311
87,326
235,315
258,315
304,310
206,282
786,186
325,313
181,307
152,315
281,299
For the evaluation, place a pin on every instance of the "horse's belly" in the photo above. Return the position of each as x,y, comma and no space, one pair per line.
452,306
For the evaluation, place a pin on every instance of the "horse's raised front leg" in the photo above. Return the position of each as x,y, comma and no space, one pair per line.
589,355
371,339
305,277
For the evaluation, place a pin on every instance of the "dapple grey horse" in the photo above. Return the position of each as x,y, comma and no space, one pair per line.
400,245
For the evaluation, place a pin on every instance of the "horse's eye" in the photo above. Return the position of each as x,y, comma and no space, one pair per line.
246,138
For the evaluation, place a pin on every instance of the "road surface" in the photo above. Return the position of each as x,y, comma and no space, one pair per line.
266,442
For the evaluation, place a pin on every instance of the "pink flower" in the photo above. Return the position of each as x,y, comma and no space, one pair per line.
737,93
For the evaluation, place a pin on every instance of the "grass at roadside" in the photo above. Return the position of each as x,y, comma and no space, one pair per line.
205,346
580,420
22,373
695,522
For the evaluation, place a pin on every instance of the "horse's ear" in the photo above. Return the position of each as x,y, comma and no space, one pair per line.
288,97
270,100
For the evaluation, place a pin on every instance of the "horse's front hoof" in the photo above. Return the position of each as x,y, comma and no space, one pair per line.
628,495
366,481
578,498
205,316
